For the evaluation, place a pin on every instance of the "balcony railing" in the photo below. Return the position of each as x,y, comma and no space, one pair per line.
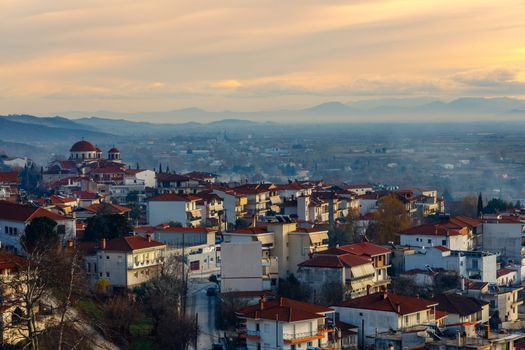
322,329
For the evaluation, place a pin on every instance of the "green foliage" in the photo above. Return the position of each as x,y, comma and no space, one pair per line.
446,281
30,178
293,289
40,234
106,226
496,205
174,224
344,233
332,293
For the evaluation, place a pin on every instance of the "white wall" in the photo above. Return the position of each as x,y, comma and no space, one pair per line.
162,212
241,266
148,176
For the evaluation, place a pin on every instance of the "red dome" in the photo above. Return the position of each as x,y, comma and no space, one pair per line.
114,150
82,146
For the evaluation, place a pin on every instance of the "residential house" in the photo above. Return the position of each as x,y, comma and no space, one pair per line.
195,244
475,265
15,217
178,184
211,206
380,258
463,312
9,183
454,233
384,311
234,204
336,268
127,261
169,207
287,324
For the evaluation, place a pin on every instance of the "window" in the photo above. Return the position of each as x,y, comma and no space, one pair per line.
107,274
6,229
418,318
15,231
257,327
444,242
475,264
406,320
429,241
107,257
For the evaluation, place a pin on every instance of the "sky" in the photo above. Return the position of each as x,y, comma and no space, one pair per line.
247,55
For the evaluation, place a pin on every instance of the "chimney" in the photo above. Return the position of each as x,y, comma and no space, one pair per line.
103,244
462,284
149,238
254,221
261,302
458,339
368,289
390,346
385,295
398,308
70,243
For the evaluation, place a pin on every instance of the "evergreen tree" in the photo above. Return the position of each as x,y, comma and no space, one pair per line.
480,205
160,168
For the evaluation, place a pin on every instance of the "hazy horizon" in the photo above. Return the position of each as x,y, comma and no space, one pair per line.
140,56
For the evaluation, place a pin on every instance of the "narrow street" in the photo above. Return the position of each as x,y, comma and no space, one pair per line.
205,307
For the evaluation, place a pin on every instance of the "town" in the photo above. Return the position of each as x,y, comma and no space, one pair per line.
98,252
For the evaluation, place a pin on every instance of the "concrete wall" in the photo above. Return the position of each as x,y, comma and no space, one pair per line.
241,266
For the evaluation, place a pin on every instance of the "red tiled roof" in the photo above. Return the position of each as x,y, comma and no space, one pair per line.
130,243
113,150
365,248
162,177
10,261
335,261
25,213
108,170
454,303
9,177
389,302
82,146
85,195
171,197
109,207
503,272
252,230
440,247
58,199
445,229
284,309
67,164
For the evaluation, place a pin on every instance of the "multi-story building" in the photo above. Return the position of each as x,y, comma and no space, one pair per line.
15,217
463,312
234,205
275,251
260,198
169,207
195,244
455,233
288,324
212,209
9,183
178,184
126,261
259,268
475,265
380,258
335,267
383,311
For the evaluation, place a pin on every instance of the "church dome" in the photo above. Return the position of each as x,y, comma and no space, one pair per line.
82,146
114,150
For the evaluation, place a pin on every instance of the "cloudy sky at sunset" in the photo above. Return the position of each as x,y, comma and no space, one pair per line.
153,55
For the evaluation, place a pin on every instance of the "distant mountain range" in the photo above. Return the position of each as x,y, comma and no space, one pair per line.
410,109
99,126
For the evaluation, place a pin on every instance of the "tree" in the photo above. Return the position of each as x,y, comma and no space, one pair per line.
468,206
227,308
391,218
40,234
293,289
106,226
164,300
48,279
346,232
479,210
332,293
446,281
404,286
120,313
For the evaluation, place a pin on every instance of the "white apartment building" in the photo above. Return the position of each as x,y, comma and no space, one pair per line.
126,261
287,324
169,207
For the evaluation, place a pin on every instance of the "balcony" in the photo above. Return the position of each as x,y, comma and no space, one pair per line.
293,338
145,263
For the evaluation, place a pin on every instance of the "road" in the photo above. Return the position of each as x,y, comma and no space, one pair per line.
199,303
